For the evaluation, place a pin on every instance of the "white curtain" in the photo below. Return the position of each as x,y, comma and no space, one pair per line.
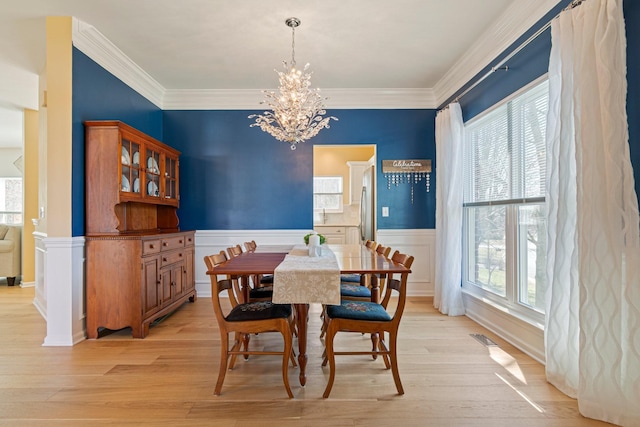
592,333
449,176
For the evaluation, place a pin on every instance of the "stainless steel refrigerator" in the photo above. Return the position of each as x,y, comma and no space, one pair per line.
368,205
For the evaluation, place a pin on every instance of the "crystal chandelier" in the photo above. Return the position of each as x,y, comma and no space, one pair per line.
296,109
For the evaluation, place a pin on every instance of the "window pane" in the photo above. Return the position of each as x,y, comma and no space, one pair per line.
327,184
529,118
532,246
11,200
487,158
487,251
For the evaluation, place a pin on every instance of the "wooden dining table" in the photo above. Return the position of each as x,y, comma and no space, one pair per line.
356,259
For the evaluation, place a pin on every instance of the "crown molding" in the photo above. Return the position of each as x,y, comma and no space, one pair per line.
250,99
97,47
517,19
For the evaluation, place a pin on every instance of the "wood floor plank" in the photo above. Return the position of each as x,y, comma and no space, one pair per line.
167,379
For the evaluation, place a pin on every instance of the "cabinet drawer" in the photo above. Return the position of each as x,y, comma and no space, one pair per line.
330,230
150,247
170,243
188,240
171,258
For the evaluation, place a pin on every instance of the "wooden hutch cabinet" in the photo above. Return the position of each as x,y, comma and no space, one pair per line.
140,266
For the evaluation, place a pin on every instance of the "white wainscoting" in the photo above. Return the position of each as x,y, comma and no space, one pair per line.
60,288
419,243
40,298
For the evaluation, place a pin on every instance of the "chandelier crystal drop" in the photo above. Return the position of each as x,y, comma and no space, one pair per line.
296,110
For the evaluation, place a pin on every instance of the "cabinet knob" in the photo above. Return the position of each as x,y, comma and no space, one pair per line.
180,241
165,244
150,246
180,254
158,282
164,260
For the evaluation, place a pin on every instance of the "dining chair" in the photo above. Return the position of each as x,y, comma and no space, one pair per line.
257,292
373,318
245,319
250,246
361,290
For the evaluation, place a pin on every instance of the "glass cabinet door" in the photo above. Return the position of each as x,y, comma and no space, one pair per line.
171,178
153,173
130,167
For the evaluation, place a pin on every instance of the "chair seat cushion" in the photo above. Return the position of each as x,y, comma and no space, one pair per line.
261,292
354,290
267,279
358,310
259,310
351,278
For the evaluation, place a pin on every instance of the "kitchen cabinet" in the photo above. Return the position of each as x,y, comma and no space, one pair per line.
339,234
139,264
334,235
353,235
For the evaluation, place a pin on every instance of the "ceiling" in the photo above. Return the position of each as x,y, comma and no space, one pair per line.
222,44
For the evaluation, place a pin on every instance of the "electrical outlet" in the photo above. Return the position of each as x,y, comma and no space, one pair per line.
385,211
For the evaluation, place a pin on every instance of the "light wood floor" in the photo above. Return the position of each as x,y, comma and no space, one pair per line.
167,379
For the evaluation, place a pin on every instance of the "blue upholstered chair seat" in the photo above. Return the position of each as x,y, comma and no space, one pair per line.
354,290
352,278
358,310
259,310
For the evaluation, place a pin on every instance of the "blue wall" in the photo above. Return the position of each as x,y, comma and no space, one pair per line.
98,95
236,177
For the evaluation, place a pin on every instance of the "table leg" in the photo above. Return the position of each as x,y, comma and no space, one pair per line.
245,288
302,312
375,297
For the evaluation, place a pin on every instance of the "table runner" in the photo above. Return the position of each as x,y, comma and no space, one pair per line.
302,279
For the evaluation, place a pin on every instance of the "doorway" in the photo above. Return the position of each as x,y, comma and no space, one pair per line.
349,163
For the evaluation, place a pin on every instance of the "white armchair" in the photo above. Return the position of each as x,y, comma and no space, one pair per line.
10,252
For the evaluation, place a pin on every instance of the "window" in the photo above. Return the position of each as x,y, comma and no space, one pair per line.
11,200
327,193
504,205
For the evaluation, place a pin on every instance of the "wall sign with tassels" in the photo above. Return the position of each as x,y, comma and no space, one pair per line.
407,172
